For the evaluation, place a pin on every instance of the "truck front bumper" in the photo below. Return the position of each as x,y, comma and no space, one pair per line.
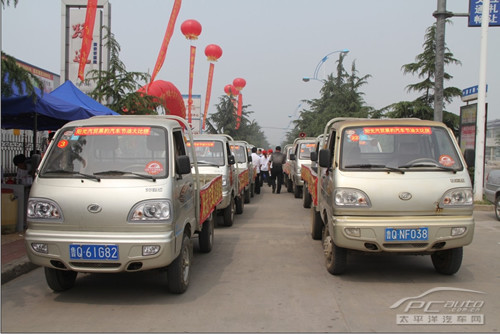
371,233
130,247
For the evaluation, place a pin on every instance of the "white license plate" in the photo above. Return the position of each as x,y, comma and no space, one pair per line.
407,234
93,252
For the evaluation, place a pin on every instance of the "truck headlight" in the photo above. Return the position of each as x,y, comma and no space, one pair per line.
457,197
348,197
151,211
44,209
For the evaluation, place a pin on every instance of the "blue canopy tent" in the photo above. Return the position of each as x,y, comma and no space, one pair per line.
43,111
70,93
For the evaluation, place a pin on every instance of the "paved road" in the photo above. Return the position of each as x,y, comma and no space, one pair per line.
266,274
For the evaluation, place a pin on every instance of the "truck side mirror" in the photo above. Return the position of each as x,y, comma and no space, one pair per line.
470,157
292,156
183,164
230,160
324,158
314,156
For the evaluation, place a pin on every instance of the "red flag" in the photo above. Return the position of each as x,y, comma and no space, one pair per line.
191,74
87,36
166,39
209,91
238,117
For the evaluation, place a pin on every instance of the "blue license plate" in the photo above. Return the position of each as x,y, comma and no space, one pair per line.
407,234
93,252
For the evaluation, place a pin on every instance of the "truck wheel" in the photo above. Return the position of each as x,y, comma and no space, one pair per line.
60,280
297,192
228,214
497,207
335,257
289,186
247,195
448,261
306,197
316,225
252,189
240,204
206,236
178,271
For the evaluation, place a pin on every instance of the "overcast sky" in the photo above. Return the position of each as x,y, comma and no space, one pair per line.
272,44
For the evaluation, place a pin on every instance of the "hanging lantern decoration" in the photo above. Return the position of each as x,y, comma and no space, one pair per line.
213,53
230,90
191,29
239,83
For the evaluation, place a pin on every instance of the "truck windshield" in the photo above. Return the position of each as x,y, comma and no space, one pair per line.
240,153
402,148
108,152
209,152
305,150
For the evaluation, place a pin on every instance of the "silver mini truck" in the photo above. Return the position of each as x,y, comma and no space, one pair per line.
116,194
394,186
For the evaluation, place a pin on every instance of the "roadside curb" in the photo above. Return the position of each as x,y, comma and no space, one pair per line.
483,207
17,268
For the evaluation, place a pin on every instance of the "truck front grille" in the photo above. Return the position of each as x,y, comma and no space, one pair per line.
95,265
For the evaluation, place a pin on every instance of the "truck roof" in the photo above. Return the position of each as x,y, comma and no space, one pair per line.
339,123
126,120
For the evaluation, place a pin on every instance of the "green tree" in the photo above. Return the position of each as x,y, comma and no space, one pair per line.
340,97
117,88
14,75
424,67
224,121
7,2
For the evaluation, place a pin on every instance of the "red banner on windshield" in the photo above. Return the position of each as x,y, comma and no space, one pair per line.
113,131
398,130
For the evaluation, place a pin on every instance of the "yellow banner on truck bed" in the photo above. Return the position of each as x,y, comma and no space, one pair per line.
210,196
311,178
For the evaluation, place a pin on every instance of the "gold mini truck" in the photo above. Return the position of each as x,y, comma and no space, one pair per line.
393,186
118,194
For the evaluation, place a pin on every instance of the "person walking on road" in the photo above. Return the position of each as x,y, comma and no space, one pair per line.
276,162
264,168
256,163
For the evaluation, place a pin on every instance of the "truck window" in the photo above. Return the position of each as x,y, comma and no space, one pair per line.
239,153
209,151
415,147
103,149
305,150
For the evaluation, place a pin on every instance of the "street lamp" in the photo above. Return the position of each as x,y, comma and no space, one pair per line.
321,62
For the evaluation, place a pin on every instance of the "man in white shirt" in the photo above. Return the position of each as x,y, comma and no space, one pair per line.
256,163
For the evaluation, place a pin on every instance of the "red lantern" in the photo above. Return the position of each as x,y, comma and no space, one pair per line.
213,52
239,83
231,90
191,29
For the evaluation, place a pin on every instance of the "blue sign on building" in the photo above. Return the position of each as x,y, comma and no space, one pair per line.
476,10
471,93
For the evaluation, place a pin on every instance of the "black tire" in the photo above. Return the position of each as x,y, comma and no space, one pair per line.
497,207
316,225
297,191
60,280
447,262
306,197
252,189
206,235
178,272
289,186
335,257
247,195
228,214
240,204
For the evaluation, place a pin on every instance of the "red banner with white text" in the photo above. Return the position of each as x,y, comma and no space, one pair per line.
209,91
166,39
87,37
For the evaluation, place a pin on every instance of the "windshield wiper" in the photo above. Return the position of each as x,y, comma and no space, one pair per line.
120,172
70,172
202,162
392,169
423,164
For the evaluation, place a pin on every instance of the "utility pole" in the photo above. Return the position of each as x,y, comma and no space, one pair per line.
441,15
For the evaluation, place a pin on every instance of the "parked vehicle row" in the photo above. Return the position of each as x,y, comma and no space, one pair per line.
394,186
128,194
